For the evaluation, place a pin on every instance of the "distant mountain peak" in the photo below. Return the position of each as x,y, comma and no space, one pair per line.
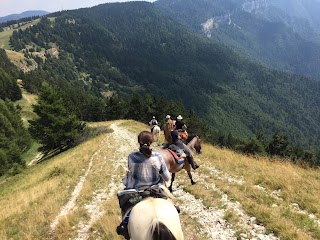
25,14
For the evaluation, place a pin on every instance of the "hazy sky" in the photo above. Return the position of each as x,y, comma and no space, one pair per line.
8,7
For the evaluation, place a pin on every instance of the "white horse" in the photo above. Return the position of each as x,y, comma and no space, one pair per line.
156,133
155,219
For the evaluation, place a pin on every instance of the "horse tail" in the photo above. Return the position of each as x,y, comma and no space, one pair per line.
159,231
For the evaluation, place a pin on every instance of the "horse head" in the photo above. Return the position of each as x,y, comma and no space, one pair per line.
195,144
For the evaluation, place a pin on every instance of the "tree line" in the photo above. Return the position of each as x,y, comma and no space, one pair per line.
142,107
95,61
58,127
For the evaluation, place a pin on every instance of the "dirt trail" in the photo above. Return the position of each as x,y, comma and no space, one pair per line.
211,220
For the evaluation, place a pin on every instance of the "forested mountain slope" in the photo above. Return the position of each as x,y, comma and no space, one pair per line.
134,47
8,75
282,34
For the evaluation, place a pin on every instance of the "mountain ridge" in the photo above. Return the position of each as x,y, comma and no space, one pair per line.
17,16
261,29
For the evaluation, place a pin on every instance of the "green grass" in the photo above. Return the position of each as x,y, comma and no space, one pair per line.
31,153
6,34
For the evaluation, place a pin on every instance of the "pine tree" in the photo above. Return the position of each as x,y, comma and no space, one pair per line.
55,126
278,145
14,138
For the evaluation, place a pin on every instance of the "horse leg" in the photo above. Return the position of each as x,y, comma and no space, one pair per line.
172,179
190,176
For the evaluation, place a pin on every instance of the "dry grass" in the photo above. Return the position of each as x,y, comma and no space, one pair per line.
30,201
282,184
15,56
26,103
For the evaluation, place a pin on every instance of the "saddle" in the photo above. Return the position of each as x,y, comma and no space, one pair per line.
129,198
176,152
176,157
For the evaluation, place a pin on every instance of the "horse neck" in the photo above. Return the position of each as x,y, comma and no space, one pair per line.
155,210
192,142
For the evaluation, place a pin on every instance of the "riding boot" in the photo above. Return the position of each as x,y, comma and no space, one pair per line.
193,164
122,230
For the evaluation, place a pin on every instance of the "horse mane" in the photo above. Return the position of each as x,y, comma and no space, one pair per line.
161,221
159,231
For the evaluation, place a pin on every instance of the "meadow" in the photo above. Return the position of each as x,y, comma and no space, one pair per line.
279,195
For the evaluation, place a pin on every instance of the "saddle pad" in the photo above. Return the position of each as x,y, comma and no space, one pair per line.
175,156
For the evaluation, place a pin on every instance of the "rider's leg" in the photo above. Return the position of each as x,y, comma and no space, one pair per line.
122,229
193,164
188,152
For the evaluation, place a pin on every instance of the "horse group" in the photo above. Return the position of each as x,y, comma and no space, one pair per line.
157,218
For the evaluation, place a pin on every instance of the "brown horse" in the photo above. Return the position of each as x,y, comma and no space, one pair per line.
174,167
195,144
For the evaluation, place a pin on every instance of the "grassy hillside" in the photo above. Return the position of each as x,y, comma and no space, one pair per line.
26,103
5,35
282,197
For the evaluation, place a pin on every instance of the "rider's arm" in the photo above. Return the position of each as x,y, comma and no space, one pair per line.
164,172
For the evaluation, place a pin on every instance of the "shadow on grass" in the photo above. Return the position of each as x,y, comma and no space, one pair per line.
87,134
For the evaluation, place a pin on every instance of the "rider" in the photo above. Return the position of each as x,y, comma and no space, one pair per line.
145,169
153,122
177,142
181,127
168,128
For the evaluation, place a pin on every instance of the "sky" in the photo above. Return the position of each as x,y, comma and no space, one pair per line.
8,7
